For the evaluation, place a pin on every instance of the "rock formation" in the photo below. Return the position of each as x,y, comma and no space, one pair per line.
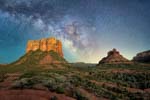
39,57
46,51
143,57
114,57
46,44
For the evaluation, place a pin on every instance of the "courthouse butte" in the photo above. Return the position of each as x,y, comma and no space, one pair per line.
45,44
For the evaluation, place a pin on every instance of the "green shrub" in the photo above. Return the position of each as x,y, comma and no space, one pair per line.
50,83
23,83
28,74
80,96
2,76
60,90
60,79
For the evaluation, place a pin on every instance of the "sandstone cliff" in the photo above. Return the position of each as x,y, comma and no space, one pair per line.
114,57
46,51
45,44
143,57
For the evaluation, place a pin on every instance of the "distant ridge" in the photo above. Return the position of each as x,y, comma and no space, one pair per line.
143,57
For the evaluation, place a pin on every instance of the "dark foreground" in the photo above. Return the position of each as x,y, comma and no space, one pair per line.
75,82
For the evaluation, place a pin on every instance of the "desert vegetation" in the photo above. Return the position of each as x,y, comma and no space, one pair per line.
112,82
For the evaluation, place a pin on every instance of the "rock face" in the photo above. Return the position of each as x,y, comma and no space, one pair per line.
46,44
46,51
114,57
143,57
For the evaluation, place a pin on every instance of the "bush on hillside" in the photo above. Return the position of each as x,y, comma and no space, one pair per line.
2,76
23,83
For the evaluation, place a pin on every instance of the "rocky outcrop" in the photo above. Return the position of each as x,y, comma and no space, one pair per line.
45,44
46,51
143,57
114,57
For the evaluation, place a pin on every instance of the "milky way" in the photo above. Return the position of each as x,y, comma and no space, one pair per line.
88,28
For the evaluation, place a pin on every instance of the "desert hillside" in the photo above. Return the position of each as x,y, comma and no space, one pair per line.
44,74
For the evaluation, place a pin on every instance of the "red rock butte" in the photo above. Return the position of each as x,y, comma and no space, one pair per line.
45,44
114,57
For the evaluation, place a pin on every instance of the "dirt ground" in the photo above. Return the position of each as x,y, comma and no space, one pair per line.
28,94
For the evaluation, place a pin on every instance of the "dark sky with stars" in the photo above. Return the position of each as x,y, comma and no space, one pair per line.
87,28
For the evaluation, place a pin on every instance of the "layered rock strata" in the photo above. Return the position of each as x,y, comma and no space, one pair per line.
45,44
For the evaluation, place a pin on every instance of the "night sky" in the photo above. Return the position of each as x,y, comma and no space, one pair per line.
88,29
